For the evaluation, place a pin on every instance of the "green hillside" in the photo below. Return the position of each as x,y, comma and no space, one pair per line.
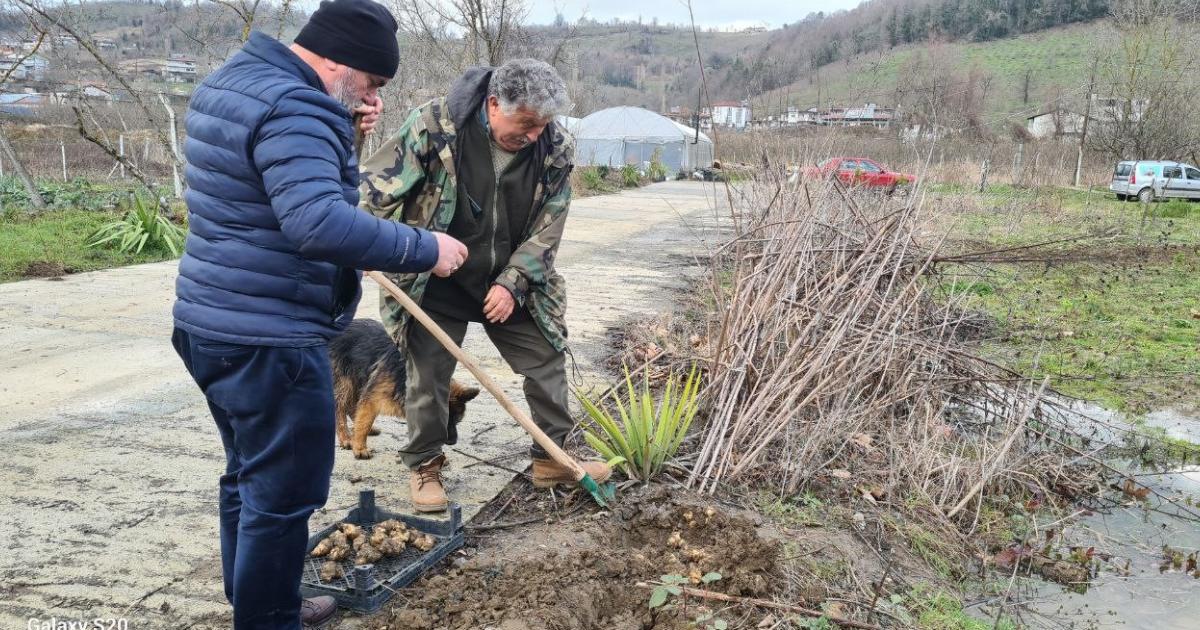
1056,60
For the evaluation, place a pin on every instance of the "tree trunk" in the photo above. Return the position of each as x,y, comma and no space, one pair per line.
35,197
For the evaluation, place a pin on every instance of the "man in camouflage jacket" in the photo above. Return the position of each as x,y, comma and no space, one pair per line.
487,165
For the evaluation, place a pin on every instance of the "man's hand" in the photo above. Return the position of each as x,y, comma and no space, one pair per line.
498,305
451,255
370,110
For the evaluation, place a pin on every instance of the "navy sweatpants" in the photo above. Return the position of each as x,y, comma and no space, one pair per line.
274,410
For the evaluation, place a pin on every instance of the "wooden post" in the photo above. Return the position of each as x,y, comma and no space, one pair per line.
175,159
121,152
1018,163
62,148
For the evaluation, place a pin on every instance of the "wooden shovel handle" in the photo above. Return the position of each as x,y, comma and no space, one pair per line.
543,440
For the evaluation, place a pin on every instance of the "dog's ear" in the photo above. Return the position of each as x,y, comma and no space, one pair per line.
468,394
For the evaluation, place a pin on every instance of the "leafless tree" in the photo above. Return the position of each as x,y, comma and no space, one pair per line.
932,90
1146,101
246,10
466,32
35,196
53,20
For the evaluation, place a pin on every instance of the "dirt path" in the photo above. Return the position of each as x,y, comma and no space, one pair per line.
110,459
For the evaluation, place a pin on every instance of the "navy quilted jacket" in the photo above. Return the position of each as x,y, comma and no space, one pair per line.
275,235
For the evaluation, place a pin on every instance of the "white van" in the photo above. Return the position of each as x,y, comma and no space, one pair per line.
1147,180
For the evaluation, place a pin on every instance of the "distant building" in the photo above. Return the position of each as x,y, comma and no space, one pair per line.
869,114
730,114
1054,123
795,116
180,69
176,69
1118,110
31,68
21,104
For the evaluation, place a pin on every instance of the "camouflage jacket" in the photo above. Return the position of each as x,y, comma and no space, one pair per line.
411,178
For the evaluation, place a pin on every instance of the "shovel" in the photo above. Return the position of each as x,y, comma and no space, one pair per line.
602,494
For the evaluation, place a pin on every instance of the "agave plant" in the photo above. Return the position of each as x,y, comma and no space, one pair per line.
645,434
142,226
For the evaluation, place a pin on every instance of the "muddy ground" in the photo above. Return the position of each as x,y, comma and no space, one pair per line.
582,569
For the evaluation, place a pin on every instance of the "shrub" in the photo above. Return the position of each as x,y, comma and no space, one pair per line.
657,172
630,176
647,434
591,178
143,226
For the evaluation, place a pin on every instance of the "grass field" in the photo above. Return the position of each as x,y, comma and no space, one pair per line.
55,242
1113,316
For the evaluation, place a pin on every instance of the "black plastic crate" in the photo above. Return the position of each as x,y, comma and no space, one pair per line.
365,588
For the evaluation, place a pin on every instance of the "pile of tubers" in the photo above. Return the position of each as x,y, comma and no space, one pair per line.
386,539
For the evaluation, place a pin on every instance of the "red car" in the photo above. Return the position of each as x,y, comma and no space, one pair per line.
861,172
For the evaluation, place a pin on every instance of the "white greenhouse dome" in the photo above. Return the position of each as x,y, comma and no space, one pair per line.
631,135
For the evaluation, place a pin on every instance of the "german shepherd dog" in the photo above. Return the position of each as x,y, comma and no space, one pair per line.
369,376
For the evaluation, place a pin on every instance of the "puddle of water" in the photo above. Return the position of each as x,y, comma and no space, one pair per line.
1135,532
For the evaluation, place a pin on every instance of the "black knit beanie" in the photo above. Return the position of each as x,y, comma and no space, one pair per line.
356,33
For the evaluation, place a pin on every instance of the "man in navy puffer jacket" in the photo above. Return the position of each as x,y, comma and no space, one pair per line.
270,275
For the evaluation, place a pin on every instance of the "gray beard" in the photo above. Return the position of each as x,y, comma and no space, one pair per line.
342,90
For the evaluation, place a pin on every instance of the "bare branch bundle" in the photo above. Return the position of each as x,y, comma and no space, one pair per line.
832,355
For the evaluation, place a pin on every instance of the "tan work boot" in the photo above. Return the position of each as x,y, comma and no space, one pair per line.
548,473
428,494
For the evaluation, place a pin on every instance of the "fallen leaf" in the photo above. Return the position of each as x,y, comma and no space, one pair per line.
1132,489
767,622
1005,559
861,439
840,473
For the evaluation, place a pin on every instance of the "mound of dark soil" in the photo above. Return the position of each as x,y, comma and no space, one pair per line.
45,269
583,574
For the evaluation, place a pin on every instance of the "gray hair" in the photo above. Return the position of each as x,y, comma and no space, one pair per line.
529,84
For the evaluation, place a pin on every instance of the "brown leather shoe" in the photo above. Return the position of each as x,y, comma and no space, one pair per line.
547,473
425,484
315,611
